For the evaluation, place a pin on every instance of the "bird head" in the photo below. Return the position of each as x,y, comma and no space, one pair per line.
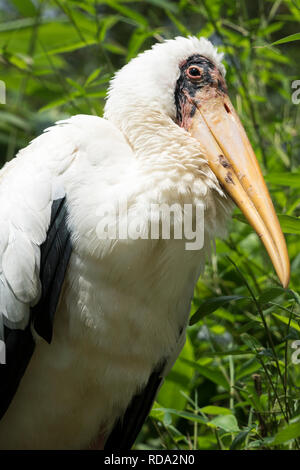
183,81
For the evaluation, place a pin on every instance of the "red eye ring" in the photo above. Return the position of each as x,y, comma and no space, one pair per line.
194,72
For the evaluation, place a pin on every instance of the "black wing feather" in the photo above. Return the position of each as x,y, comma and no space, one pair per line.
128,427
19,344
55,255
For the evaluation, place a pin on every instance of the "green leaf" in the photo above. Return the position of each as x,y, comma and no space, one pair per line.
263,32
137,39
288,223
17,25
84,6
239,440
6,116
230,352
292,431
159,413
227,423
247,368
106,24
212,374
58,102
212,304
164,4
291,180
250,341
18,60
295,204
295,295
95,74
270,294
115,48
70,47
75,85
128,12
215,410
25,7
287,321
167,419
180,26
178,379
261,443
290,38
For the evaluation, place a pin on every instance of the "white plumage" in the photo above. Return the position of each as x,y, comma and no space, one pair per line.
123,302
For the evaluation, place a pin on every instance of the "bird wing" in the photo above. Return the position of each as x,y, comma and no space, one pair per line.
129,425
35,249
17,338
34,252
35,244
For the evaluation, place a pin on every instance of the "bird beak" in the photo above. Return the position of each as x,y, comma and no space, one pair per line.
225,144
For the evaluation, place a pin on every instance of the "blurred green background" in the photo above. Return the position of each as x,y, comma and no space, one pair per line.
236,384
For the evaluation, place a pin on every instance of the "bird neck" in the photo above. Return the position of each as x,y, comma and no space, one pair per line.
158,141
170,166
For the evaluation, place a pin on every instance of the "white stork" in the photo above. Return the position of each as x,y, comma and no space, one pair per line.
91,325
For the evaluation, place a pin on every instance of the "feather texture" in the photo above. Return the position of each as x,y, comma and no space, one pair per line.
125,302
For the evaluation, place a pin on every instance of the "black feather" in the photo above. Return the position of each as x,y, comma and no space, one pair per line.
55,255
19,344
128,427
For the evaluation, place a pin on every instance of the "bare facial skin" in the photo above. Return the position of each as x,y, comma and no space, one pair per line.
205,110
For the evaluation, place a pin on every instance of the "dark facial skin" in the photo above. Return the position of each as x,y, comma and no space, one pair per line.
199,79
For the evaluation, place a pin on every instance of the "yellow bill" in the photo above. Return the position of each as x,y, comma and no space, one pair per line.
223,140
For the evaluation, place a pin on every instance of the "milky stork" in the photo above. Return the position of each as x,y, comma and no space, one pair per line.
91,325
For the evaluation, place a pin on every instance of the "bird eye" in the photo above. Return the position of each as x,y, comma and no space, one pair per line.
194,72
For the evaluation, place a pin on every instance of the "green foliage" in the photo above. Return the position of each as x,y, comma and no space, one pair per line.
235,385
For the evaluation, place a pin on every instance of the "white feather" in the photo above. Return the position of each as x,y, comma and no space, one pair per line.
123,301
16,313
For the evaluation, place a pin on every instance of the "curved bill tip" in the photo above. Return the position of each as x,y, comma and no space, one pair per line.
229,154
